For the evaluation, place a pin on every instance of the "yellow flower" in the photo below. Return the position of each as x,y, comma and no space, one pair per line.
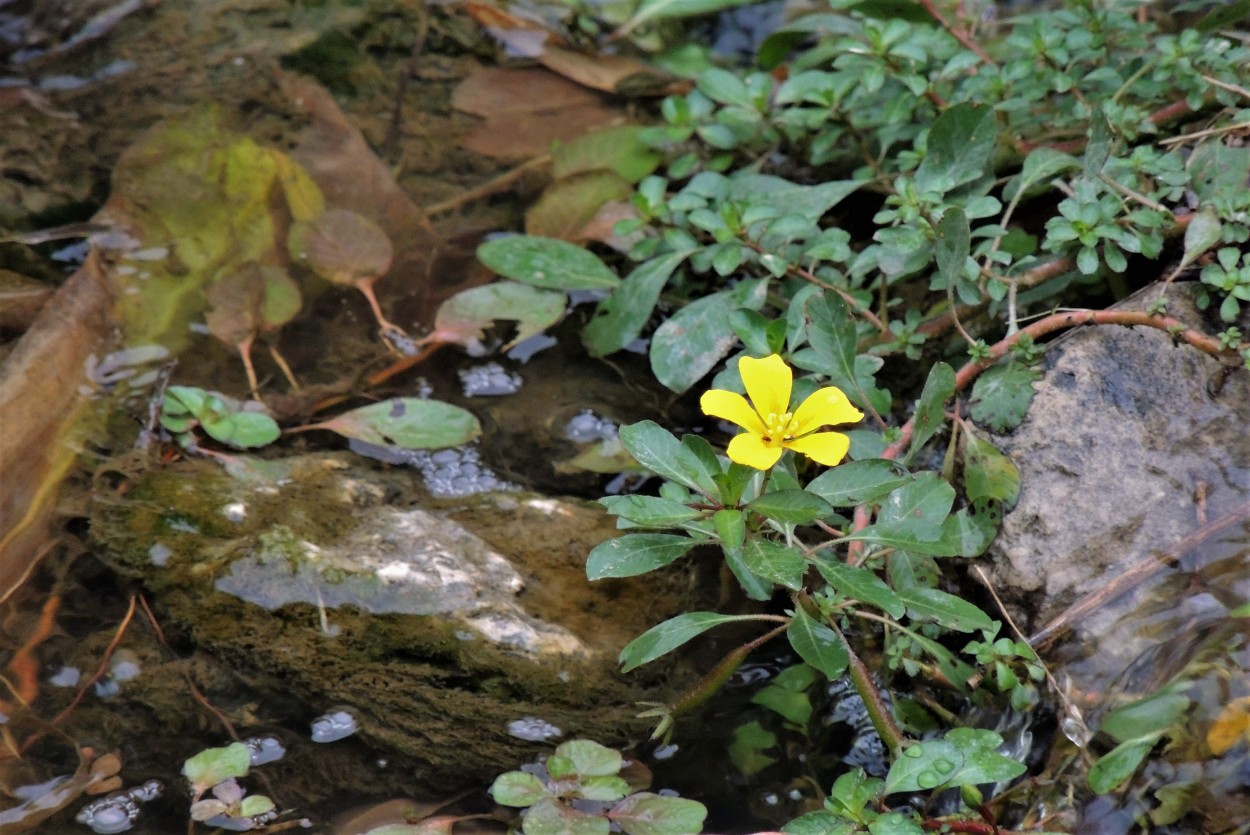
771,426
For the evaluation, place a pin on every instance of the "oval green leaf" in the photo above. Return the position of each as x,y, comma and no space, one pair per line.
669,635
408,422
818,645
546,262
636,553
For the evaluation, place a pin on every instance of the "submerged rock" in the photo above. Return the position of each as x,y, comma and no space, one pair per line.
437,628
1130,443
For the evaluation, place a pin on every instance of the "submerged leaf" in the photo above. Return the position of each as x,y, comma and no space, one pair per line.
250,300
341,246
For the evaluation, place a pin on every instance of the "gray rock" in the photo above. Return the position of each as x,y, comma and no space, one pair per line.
1125,431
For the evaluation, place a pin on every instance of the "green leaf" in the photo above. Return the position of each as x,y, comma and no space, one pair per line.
731,528
755,587
1042,165
858,482
655,448
223,418
795,507
620,317
546,262
982,762
946,609
747,748
968,532
951,249
820,823
918,508
408,422
961,144
852,792
693,340
1218,175
834,340
590,759
620,149
650,511
645,813
894,823
988,474
1203,232
605,788
1118,765
255,804
818,645
861,584
1098,149
214,765
1001,396
1154,714
775,562
810,202
464,318
966,757
669,635
923,766
243,430
550,817
931,410
666,9
636,553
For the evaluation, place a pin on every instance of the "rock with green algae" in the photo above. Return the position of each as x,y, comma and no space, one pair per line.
438,628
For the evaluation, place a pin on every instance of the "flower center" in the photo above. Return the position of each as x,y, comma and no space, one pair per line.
779,428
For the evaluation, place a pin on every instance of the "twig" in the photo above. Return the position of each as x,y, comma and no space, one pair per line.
958,33
1138,573
501,183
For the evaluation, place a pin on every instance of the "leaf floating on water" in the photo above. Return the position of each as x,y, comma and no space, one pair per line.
406,422
464,317
341,246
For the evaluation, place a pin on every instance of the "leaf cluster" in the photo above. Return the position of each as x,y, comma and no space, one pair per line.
585,788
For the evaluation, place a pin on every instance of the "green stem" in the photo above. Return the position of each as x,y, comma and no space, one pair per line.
878,711
718,675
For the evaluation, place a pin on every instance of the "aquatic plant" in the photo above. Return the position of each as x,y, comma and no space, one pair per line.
584,788
891,184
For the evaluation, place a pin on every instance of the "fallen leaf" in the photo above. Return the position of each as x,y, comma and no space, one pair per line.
42,384
21,299
336,155
1230,727
341,246
568,205
526,109
617,74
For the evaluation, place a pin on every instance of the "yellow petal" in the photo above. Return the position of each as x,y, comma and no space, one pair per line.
750,450
768,383
732,407
825,407
827,448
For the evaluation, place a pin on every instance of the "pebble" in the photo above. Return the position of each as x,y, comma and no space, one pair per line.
331,727
489,380
533,729
118,811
